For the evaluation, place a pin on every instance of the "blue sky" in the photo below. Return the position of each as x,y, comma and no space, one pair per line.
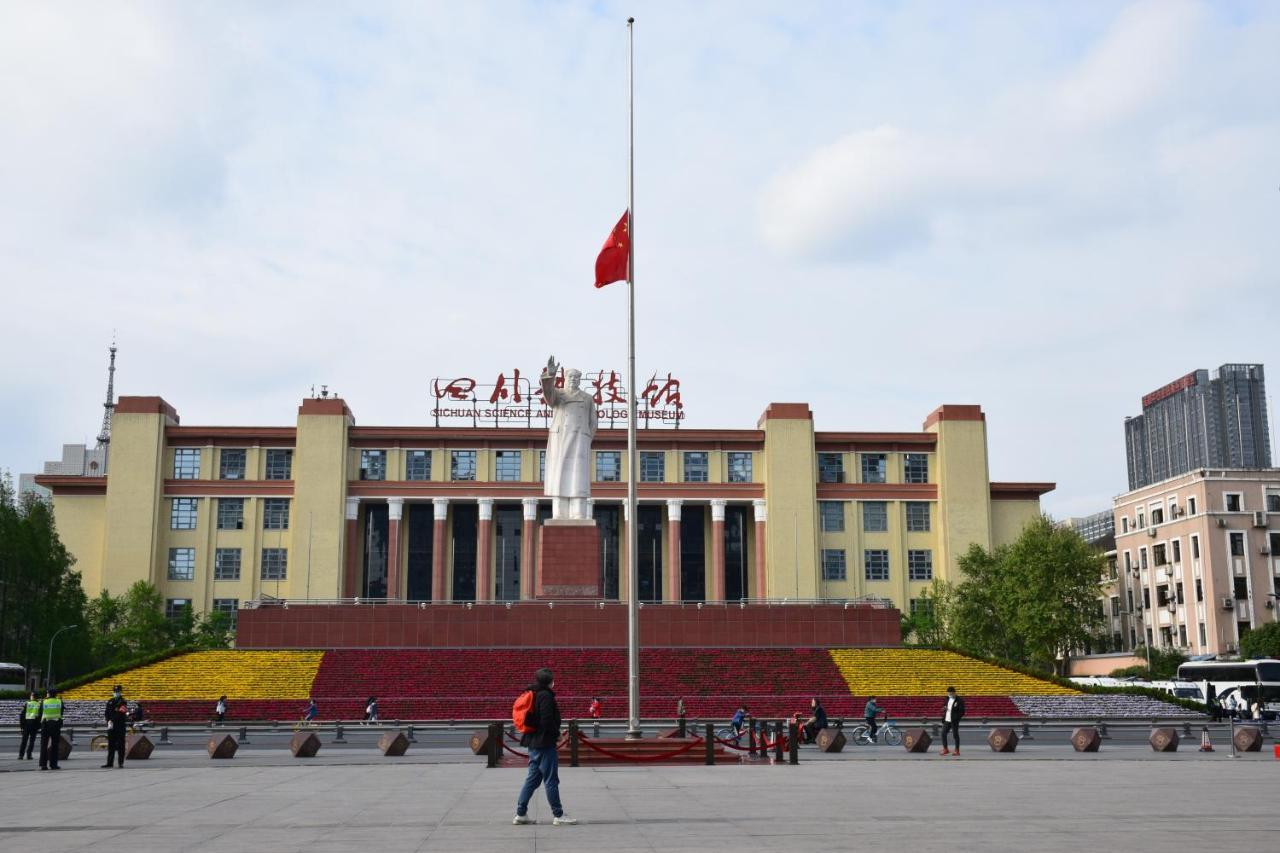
1048,209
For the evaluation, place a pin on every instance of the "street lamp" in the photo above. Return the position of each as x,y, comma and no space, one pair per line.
48,670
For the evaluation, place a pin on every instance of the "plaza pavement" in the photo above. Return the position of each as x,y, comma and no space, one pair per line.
1045,798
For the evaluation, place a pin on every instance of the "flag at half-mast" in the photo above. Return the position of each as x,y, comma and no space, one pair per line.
611,264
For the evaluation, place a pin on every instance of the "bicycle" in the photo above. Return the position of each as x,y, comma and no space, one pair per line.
886,733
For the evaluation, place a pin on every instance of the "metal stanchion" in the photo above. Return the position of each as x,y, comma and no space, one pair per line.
681,728
751,736
793,743
409,736
1233,737
164,734
777,742
244,735
573,743
338,733
710,744
495,744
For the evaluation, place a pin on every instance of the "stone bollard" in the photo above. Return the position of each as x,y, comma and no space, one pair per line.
709,745
1164,739
1086,739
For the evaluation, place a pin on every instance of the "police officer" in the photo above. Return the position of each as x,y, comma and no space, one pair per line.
117,714
30,726
50,730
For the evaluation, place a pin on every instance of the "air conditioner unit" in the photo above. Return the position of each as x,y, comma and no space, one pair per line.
1228,603
1265,549
1151,531
1222,522
1259,519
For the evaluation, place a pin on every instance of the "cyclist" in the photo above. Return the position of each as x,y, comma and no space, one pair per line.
817,721
869,712
313,711
739,718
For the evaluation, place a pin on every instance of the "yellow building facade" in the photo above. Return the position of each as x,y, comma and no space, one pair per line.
325,509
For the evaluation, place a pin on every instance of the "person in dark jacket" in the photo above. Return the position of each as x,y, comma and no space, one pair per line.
817,720
29,718
544,762
952,714
117,714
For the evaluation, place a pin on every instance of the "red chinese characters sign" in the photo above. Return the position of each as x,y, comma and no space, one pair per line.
512,399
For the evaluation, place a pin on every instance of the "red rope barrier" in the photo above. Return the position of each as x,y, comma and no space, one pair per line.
514,752
623,757
761,744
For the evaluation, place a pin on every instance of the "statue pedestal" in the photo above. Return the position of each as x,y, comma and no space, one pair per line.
568,559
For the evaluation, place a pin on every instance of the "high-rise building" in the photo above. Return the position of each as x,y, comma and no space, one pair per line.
1200,421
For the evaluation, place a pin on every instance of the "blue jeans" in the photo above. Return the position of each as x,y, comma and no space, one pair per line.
544,769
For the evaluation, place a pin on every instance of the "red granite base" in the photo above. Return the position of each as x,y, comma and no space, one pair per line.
568,561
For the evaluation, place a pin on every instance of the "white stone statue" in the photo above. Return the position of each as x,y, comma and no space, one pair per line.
573,425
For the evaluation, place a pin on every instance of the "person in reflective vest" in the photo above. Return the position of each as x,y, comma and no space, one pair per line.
50,730
30,723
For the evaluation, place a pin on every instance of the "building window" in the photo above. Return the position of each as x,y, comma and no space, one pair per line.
1195,547
373,464
1162,595
1146,598
1128,561
652,466
1177,593
1157,554
920,565
275,564
875,516
1203,640
182,564
740,467
1176,545
832,514
230,513
1234,501
418,465
275,514
279,463
608,466
186,463
1241,588
462,465
174,608
830,467
833,567
695,466
1191,506
1182,636
226,564
1130,593
229,606
542,466
1142,558
1199,590
1273,502
182,515
1115,605
231,464
921,606
1237,543
873,467
1124,524
915,467
875,562
917,516
1157,515
506,465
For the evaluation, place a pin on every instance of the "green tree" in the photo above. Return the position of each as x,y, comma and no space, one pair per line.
1032,601
39,590
925,627
1262,642
1164,665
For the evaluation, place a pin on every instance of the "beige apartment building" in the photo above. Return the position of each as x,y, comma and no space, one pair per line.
1197,560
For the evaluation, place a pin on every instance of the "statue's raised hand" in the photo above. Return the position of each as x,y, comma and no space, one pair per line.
551,368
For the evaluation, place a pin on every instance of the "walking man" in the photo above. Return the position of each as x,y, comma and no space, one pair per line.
117,714
50,730
30,726
952,714
544,763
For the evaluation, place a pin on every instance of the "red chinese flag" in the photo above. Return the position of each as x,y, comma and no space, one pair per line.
611,265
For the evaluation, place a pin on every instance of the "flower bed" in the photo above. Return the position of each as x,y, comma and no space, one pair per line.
927,672
210,674
1096,705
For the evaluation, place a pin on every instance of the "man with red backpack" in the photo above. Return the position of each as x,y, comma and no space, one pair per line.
537,717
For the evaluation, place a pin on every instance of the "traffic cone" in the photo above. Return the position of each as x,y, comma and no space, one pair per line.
1205,744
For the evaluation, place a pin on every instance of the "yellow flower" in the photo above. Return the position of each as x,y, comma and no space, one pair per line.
927,672
208,675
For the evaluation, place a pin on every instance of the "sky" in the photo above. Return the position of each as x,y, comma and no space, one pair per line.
1049,209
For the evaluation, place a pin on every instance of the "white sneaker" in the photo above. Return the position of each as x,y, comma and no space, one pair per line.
521,820
564,820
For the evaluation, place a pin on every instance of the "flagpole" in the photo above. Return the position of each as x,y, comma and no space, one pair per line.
633,520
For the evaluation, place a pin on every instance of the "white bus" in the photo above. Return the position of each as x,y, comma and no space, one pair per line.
12,677
1235,678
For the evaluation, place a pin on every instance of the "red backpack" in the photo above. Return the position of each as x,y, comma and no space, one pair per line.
522,713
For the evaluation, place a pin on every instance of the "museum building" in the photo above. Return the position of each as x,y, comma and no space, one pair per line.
325,509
